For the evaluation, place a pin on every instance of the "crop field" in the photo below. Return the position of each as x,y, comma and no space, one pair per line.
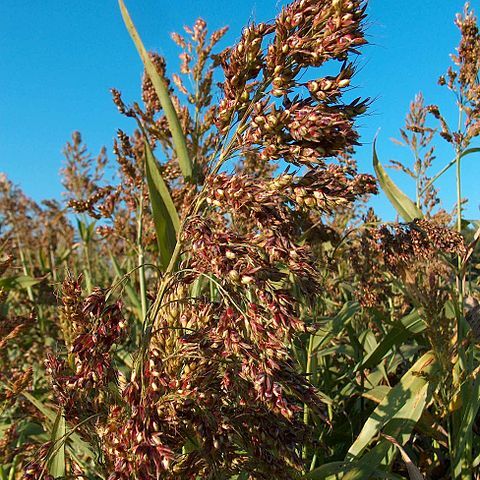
220,300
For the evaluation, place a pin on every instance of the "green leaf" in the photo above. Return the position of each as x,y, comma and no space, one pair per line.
56,464
82,229
77,443
469,151
66,253
403,205
462,439
332,327
400,410
365,468
447,167
161,90
401,331
20,281
466,222
370,344
165,216
427,425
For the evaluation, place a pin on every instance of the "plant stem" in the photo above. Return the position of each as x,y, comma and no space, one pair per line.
141,260
87,269
24,268
308,371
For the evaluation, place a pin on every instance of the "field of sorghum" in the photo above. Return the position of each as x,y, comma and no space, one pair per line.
230,307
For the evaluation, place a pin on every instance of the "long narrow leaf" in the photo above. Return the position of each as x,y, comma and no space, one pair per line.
402,330
467,152
412,469
470,407
165,214
161,90
76,441
403,205
363,469
56,465
427,424
333,326
400,410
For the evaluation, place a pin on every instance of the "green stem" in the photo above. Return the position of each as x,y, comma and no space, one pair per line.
87,270
459,192
53,266
24,268
459,230
462,437
141,260
308,371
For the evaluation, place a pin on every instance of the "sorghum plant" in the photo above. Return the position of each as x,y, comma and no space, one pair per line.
226,307
214,391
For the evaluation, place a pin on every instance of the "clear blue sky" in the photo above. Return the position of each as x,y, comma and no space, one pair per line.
60,58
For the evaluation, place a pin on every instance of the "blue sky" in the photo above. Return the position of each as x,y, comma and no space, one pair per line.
59,60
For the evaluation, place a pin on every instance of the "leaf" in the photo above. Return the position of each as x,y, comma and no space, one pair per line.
86,230
56,464
366,467
327,470
81,229
401,331
403,205
462,439
161,90
427,424
77,443
334,326
467,152
165,216
413,471
400,410
20,281
363,469
369,343
66,253
466,222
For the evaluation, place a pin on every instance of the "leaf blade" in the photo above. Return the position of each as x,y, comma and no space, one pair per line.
178,137
401,202
407,398
401,330
165,216
56,464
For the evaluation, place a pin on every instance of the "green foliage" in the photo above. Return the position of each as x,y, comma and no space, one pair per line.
403,205
164,97
165,215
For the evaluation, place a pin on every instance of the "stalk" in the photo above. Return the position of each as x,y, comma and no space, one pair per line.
53,267
141,260
418,194
306,412
24,268
462,437
308,371
87,270
461,276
